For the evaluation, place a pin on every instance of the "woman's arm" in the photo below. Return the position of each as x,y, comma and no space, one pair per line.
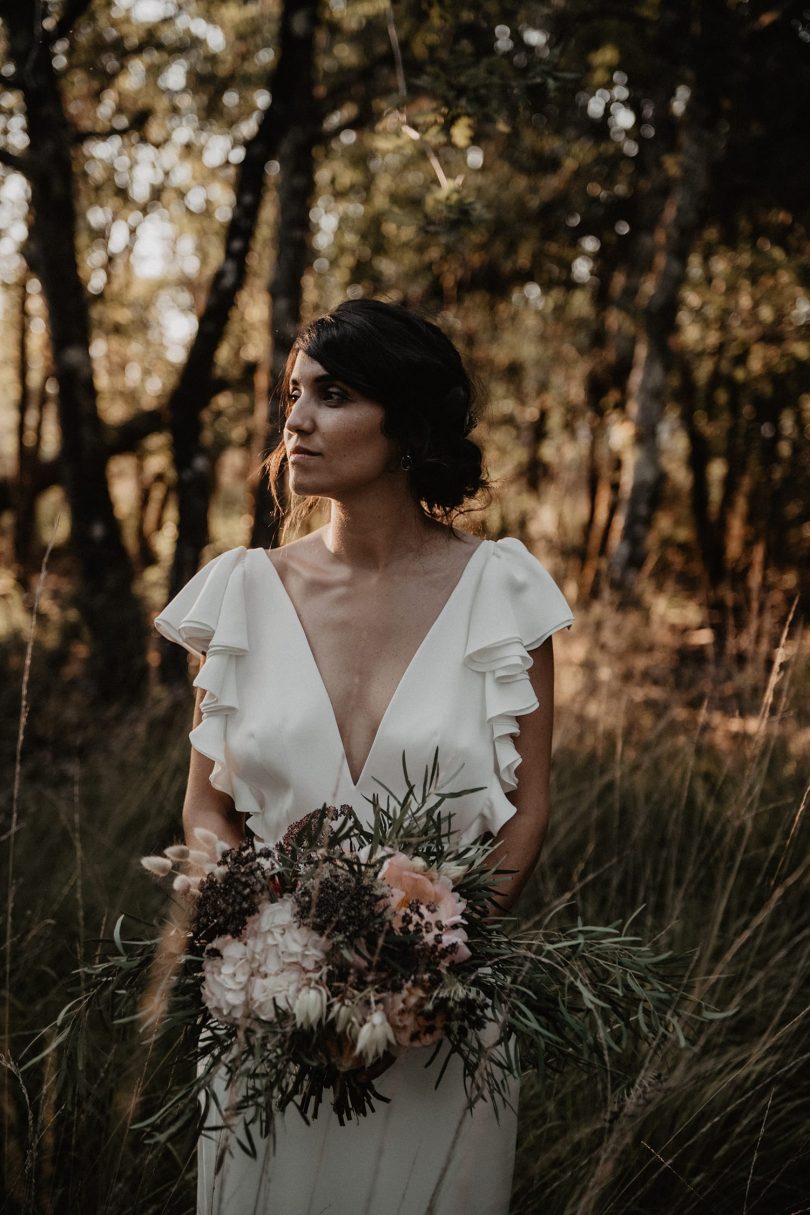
521,838
205,806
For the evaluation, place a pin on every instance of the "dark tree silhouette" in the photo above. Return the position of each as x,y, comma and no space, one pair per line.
194,387
109,606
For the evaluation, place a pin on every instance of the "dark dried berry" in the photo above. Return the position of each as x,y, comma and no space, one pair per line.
226,903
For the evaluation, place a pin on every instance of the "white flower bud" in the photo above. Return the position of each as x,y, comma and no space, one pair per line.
181,884
375,1037
346,1020
207,839
159,865
199,858
310,1007
453,872
177,852
417,864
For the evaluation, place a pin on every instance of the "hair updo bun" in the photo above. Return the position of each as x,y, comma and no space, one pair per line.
410,366
447,467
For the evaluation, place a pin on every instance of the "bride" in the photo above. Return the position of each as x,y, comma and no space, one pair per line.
385,632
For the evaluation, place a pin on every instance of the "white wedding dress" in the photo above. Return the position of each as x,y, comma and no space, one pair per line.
268,725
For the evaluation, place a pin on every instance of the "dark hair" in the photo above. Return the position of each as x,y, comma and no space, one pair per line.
409,366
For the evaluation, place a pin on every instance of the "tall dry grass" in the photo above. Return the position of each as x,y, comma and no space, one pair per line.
678,789
690,804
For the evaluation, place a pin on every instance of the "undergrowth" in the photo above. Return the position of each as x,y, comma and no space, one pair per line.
688,806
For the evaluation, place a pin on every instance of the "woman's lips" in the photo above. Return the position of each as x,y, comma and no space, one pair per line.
301,454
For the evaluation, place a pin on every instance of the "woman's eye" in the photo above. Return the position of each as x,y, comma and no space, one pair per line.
332,396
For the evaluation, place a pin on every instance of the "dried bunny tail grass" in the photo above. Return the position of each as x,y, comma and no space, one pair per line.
207,838
177,852
197,857
160,866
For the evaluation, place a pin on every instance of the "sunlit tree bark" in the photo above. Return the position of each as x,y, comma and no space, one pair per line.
292,257
611,362
696,41
647,383
29,444
109,607
194,387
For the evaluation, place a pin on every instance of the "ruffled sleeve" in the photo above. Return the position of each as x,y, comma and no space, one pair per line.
208,616
518,605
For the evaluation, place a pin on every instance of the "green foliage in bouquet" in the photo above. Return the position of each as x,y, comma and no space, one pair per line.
307,967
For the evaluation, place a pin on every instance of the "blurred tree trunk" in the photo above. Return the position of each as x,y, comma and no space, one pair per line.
29,444
647,384
195,385
709,527
614,344
292,258
532,436
154,499
106,599
736,537
616,330
700,39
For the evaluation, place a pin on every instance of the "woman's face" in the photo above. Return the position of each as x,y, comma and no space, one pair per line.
333,435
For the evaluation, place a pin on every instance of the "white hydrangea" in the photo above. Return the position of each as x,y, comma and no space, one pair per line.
262,974
227,979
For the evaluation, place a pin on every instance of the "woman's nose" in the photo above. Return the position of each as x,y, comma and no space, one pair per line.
300,416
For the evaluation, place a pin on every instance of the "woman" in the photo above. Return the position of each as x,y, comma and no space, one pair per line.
384,632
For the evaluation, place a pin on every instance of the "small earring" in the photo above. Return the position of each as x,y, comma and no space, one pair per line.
406,463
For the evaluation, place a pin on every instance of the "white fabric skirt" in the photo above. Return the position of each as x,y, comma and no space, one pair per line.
423,1153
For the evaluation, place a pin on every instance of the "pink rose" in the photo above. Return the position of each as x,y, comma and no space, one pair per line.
429,897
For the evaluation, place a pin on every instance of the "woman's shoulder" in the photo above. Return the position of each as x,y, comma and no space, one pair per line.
513,556
299,553
517,596
212,599
514,548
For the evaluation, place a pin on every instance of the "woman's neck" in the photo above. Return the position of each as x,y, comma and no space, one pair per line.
376,530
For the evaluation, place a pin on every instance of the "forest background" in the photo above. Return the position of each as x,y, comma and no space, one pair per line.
605,205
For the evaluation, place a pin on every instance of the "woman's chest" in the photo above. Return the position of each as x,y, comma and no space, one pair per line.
359,672
362,649
357,691
362,640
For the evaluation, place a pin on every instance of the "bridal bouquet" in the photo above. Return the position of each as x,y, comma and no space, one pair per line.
340,947
309,966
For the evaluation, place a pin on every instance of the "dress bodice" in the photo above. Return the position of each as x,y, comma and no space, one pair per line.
268,724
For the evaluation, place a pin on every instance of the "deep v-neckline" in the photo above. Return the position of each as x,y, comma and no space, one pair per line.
301,633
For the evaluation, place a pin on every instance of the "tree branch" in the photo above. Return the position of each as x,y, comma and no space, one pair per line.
137,123
72,11
23,164
193,389
117,441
